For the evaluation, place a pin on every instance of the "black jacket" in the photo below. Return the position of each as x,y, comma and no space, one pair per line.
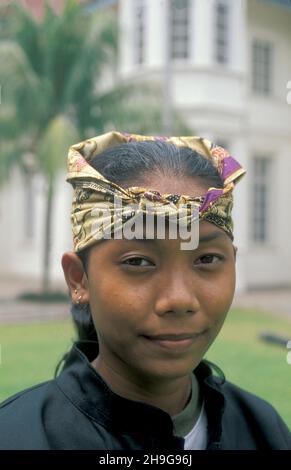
78,411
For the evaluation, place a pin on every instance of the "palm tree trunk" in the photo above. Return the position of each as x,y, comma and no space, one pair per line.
47,238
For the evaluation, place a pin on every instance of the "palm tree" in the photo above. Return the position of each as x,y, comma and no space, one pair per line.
50,71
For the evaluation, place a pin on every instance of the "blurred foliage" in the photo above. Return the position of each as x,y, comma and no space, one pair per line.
49,75
59,85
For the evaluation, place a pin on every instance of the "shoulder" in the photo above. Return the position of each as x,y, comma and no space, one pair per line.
239,399
255,417
23,399
28,398
22,416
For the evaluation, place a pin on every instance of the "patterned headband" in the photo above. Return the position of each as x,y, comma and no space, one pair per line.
93,192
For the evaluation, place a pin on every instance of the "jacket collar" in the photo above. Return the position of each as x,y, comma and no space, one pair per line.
86,389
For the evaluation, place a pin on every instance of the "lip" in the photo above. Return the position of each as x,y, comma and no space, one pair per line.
172,341
172,336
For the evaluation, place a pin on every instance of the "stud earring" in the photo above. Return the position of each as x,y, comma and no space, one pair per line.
78,299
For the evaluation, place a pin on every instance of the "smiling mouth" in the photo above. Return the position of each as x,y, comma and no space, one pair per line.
173,342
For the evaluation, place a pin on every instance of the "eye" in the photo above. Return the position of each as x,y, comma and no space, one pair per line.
209,259
137,261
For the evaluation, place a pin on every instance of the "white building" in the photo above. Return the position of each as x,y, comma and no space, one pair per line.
230,66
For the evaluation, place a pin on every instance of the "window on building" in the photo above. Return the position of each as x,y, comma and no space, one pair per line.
261,204
139,39
28,206
179,27
262,52
222,26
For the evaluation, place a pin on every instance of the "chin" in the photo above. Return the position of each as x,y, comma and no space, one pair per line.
170,370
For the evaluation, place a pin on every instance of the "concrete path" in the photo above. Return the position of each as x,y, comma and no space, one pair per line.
13,310
275,301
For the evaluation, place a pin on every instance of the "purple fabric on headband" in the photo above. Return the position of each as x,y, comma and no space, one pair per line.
211,196
230,165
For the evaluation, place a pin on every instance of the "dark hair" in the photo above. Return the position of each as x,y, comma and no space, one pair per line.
132,164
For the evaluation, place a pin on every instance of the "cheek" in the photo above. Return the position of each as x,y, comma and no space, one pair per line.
217,297
115,305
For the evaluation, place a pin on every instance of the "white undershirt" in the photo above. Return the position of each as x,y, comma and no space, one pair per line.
196,439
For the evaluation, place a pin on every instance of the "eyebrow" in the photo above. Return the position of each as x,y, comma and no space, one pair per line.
211,236
142,240
204,239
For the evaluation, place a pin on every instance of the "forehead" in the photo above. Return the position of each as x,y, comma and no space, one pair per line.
208,234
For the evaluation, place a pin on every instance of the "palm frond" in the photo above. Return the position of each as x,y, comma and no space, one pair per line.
21,86
54,144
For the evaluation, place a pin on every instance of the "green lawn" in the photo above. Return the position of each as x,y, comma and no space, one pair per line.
247,361
30,352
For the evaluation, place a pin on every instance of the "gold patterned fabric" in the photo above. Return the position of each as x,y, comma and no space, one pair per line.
94,209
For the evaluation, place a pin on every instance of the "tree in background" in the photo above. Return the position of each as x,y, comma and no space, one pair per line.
50,72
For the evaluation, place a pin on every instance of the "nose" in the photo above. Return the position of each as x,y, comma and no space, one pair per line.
176,294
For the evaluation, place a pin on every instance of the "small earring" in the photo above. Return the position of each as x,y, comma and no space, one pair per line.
78,299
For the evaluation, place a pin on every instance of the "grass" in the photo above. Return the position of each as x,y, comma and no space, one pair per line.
257,366
30,353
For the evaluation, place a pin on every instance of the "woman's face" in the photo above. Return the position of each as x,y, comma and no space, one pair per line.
157,308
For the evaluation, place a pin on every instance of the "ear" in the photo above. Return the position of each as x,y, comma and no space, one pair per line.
76,278
235,251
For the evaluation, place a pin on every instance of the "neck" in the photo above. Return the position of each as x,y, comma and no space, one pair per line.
170,395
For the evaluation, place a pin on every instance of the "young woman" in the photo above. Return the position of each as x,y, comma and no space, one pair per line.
146,309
